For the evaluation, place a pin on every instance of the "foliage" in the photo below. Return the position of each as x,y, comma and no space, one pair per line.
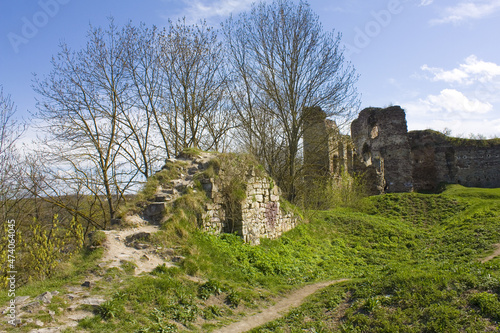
348,190
42,248
96,238
209,288
47,247
488,304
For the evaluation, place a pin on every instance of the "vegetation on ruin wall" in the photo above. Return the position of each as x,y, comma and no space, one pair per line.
475,141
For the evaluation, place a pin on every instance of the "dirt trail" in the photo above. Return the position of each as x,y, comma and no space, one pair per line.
117,250
277,310
495,254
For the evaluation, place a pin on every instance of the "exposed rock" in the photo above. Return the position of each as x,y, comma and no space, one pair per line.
133,220
30,307
144,236
47,330
178,259
21,299
46,297
140,246
73,307
154,208
92,301
86,284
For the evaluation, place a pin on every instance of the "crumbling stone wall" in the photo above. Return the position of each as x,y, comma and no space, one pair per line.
316,143
382,146
394,160
326,151
261,212
258,215
437,158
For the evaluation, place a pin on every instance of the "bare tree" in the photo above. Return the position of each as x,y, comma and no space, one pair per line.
10,171
193,62
81,102
143,123
284,63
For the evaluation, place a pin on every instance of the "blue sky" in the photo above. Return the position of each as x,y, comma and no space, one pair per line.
438,59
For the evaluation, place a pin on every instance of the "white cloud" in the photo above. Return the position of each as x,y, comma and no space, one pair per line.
426,2
472,71
452,101
206,9
467,10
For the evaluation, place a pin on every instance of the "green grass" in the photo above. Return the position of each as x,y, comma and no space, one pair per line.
421,271
412,260
68,273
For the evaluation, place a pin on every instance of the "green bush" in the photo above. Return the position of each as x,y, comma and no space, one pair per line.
233,299
488,304
212,311
209,288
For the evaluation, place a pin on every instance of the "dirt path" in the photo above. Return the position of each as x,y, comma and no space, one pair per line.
277,310
117,250
495,254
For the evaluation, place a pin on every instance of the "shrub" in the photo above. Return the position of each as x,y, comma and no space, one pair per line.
96,238
209,288
108,310
212,311
327,193
233,299
487,303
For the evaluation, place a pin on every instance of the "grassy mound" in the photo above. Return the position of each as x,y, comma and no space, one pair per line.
412,260
421,272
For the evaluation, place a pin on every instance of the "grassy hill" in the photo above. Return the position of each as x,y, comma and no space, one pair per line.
413,261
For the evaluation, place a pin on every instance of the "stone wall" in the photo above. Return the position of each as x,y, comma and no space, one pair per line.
394,160
261,213
326,151
437,158
258,215
316,143
382,146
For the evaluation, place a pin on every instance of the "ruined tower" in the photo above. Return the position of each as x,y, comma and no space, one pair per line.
381,140
316,137
327,152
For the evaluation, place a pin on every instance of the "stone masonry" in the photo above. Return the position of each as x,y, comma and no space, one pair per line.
395,160
381,140
326,151
256,214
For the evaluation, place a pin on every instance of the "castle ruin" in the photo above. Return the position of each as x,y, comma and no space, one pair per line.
395,160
